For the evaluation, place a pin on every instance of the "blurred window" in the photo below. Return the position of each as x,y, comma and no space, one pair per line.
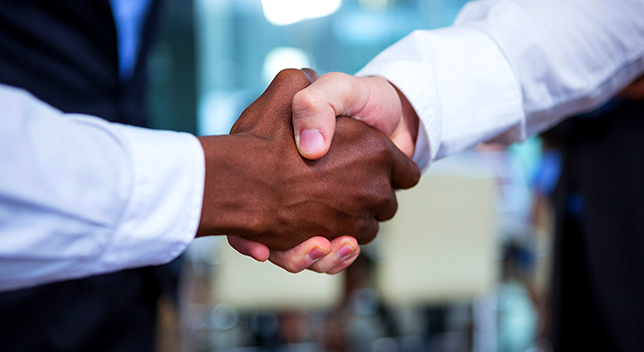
242,44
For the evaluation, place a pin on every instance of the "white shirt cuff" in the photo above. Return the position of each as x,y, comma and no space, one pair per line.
461,86
164,208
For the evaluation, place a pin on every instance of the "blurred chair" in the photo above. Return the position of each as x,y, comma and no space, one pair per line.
442,244
249,285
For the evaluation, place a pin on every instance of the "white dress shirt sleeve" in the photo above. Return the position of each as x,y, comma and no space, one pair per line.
80,196
510,69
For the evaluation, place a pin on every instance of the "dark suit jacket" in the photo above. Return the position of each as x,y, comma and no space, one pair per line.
598,281
65,53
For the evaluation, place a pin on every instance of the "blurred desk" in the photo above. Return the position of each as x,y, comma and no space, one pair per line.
249,285
442,244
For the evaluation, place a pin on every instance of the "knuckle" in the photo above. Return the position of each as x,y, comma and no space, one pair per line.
409,179
381,146
289,73
356,228
381,200
362,228
370,233
255,226
306,103
388,213
380,194
293,75
335,76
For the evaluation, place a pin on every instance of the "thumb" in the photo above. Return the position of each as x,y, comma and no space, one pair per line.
373,100
315,109
313,124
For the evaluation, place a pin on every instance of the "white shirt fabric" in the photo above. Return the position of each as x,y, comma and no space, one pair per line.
81,196
509,69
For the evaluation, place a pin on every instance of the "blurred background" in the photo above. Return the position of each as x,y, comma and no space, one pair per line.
464,265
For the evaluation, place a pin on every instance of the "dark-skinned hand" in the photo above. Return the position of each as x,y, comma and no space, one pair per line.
258,187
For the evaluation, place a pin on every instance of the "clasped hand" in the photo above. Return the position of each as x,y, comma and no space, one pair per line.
261,192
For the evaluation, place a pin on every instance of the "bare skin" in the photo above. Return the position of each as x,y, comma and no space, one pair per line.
259,188
373,100
635,91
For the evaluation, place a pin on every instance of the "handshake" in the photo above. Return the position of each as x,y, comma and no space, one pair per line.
305,202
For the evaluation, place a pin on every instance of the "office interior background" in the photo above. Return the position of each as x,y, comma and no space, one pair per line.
465,264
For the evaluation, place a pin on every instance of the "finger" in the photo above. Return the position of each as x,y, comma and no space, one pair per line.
303,255
404,172
404,141
315,109
345,251
343,265
406,133
250,248
635,91
287,83
313,76
390,209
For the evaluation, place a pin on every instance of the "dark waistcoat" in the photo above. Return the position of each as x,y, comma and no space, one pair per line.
65,53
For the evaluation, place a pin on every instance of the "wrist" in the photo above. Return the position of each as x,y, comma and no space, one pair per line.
236,198
406,134
409,117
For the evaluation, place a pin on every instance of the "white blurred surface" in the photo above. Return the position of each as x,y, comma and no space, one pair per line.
283,12
249,285
442,244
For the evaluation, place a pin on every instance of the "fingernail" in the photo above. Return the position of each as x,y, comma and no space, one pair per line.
317,254
311,141
345,252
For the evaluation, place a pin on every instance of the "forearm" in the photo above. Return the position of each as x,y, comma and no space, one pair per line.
239,189
80,196
569,56
508,70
